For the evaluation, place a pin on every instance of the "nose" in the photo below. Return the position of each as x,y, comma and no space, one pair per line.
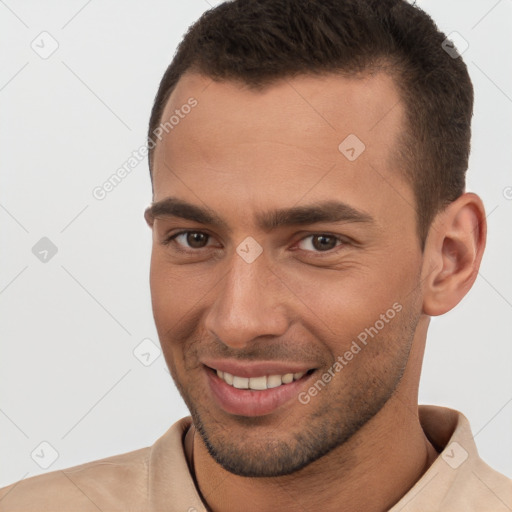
249,304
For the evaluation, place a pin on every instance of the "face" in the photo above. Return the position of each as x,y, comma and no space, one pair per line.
284,249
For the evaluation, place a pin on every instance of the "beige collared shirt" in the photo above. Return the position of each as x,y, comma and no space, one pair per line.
157,478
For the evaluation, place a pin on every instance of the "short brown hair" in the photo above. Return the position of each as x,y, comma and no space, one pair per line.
261,41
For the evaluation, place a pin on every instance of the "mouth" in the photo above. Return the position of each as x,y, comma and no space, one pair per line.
257,395
261,382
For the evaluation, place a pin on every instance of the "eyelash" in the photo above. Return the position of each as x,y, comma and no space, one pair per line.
343,242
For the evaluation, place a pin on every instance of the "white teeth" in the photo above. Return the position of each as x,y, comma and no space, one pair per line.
240,382
287,378
273,381
259,383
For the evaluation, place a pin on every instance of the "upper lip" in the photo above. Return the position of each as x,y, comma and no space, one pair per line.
255,369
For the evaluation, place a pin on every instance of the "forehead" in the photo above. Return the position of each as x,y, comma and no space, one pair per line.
289,110
296,136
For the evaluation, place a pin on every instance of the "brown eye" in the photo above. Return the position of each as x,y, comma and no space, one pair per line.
320,242
188,240
196,240
324,242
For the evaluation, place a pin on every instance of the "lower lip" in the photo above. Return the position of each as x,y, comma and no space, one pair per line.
246,402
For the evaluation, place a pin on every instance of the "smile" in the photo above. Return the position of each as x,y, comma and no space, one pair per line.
259,390
258,383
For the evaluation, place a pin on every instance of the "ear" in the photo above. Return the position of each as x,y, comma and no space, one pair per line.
453,252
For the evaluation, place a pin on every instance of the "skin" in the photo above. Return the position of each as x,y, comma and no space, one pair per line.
241,152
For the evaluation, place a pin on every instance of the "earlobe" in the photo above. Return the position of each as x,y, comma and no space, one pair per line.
453,252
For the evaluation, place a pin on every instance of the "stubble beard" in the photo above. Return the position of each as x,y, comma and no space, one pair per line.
285,449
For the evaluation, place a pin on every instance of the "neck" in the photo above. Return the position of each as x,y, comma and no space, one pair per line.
371,471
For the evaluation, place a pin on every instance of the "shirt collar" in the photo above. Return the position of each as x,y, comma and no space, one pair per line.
450,434
170,483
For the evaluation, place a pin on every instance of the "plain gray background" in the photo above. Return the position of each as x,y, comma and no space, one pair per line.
69,326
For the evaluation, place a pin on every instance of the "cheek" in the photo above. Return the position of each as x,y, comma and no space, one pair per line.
177,290
179,296
359,302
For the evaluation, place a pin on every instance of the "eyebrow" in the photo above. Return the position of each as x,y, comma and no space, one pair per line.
326,211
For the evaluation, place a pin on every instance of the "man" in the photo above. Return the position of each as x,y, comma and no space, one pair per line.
309,217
